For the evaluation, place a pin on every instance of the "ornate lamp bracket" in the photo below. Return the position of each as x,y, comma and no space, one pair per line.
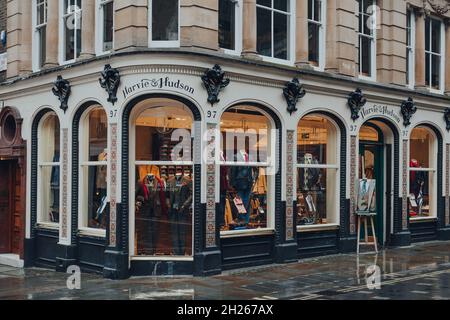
292,93
408,108
214,82
61,89
110,81
356,101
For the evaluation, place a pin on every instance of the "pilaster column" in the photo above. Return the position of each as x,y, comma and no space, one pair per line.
52,37
330,61
87,29
447,57
420,49
25,45
301,38
249,29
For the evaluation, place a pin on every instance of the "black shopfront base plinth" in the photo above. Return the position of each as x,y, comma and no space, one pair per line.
286,252
444,234
65,256
116,265
29,252
400,239
207,263
348,244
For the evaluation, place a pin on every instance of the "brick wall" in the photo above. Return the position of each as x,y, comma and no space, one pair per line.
2,27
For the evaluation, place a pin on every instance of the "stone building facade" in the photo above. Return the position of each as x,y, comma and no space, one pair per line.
336,109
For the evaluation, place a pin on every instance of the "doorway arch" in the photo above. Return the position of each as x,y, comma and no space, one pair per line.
379,159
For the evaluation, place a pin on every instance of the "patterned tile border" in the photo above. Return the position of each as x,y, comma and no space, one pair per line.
113,187
353,176
447,185
65,186
211,192
405,185
290,185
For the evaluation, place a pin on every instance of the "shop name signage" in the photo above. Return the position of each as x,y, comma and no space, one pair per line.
157,83
377,109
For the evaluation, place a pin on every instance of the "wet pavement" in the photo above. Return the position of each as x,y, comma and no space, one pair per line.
418,272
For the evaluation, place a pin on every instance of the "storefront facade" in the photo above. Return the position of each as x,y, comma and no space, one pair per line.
103,193
158,151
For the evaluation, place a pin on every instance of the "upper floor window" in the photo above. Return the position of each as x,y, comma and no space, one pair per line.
410,47
71,29
434,47
105,25
40,33
316,39
164,24
366,38
230,25
274,28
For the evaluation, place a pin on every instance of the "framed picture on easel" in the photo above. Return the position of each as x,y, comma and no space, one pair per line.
366,201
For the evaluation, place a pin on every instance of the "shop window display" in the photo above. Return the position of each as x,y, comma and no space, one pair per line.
244,171
164,180
49,168
316,171
94,168
422,168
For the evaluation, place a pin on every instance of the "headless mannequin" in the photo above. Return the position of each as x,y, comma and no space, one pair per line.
179,201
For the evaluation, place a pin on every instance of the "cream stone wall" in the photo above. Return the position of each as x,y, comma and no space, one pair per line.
199,24
199,31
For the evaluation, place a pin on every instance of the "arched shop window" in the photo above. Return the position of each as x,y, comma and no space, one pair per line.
93,139
163,178
247,194
422,173
317,171
49,169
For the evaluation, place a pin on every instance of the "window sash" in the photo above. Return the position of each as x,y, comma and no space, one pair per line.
164,163
318,166
245,164
163,43
411,169
49,164
272,27
101,29
94,164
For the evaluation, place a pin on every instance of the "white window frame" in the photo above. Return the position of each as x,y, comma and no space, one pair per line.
410,49
322,32
36,44
269,166
291,35
99,27
133,163
373,39
62,43
162,44
44,164
433,151
83,137
441,54
237,29
336,167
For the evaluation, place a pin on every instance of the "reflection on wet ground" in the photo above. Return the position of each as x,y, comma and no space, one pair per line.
418,272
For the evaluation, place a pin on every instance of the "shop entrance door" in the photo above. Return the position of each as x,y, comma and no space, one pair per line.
372,164
6,206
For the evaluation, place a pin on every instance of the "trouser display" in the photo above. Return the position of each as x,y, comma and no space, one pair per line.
179,225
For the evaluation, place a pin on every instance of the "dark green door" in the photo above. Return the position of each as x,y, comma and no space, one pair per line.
372,158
